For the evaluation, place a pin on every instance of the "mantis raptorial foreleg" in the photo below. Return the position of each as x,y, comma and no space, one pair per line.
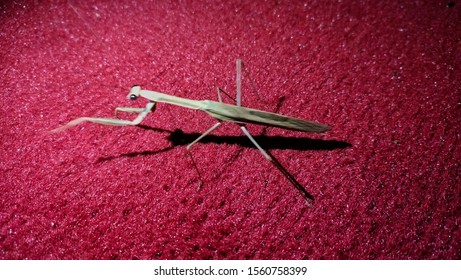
128,110
150,107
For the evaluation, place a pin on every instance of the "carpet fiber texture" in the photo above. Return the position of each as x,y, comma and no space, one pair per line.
385,75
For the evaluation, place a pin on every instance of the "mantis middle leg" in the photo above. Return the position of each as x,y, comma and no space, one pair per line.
195,141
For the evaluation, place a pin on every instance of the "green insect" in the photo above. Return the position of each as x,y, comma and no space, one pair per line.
219,110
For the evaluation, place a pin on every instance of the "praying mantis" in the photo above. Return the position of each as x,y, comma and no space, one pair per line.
220,111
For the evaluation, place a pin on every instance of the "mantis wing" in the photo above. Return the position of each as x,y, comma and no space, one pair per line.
238,114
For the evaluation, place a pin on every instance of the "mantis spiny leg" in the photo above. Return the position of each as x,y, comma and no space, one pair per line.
279,166
128,110
219,95
239,82
150,107
195,141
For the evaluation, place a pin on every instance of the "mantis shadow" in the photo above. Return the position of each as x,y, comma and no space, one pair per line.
143,153
179,138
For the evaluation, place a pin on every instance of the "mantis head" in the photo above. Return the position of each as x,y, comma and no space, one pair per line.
134,92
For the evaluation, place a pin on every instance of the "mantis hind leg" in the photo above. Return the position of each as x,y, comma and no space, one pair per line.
239,82
241,72
237,100
195,141
307,196
219,95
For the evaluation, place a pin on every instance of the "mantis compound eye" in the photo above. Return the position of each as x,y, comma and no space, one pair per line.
134,92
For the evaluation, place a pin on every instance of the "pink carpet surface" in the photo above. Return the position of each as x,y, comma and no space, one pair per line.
385,180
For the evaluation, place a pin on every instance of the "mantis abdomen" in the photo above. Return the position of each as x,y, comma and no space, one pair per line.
234,113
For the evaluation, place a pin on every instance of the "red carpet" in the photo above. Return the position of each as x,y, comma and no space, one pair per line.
385,179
